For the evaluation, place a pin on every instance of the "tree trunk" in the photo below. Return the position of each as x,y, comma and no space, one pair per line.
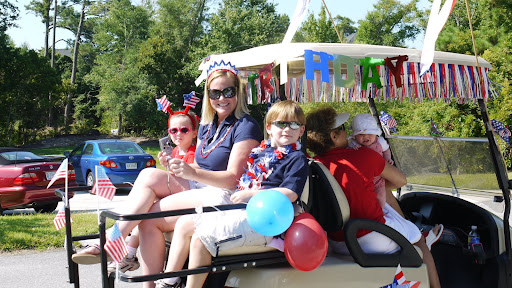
54,32
193,30
47,26
67,110
120,124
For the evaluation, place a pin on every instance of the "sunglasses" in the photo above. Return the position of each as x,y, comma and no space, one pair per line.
228,92
283,124
183,130
340,128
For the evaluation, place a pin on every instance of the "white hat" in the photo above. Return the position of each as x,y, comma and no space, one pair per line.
340,119
365,124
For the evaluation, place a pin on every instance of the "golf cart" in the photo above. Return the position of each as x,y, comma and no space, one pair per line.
305,66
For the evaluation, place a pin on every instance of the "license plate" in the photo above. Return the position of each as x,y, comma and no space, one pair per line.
49,175
131,165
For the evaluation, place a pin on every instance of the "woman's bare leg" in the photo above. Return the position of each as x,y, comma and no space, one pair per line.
151,184
429,261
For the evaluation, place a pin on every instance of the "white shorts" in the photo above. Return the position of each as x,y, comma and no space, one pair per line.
209,195
225,230
376,243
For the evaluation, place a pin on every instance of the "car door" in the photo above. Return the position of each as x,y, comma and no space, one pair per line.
75,157
87,162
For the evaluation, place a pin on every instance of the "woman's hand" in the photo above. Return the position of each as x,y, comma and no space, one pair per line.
181,169
163,158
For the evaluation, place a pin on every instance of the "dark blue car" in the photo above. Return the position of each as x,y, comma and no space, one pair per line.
122,160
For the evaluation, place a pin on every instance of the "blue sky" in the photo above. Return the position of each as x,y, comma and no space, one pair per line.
31,29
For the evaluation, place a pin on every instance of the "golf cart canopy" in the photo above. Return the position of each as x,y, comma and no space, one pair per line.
452,77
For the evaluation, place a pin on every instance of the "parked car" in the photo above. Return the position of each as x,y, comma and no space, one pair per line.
23,180
122,160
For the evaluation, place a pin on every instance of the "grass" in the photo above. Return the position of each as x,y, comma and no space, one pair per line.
37,232
470,181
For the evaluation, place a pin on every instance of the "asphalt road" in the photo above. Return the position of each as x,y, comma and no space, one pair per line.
49,268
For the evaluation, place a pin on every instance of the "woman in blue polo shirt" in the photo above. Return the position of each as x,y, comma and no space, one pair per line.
226,136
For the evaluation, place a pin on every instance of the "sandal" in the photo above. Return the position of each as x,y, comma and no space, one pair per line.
432,238
87,258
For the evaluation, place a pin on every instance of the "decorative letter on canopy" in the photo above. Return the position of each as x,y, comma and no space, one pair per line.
338,60
311,65
396,70
368,63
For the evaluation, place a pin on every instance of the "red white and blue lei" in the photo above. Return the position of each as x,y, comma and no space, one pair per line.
261,169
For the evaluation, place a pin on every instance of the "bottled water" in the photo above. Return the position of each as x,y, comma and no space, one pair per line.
473,237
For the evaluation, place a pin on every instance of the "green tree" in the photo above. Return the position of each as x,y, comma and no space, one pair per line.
391,23
321,30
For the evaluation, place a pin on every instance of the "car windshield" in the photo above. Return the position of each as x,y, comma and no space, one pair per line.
120,148
462,165
12,156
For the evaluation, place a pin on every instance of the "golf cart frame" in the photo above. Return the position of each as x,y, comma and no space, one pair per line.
289,60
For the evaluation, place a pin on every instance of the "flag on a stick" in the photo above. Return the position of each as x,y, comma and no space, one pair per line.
433,129
191,99
60,219
502,130
400,281
103,187
162,104
388,121
62,173
115,246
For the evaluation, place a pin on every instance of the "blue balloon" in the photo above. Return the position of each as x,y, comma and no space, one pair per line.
269,212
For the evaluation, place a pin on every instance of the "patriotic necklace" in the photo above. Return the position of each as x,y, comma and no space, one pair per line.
258,171
207,152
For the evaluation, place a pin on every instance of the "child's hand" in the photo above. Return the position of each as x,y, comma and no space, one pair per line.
242,196
181,169
391,162
356,146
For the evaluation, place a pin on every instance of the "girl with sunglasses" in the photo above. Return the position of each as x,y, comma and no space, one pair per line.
183,133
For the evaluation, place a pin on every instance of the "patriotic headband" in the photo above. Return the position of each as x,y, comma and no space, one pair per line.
190,102
221,67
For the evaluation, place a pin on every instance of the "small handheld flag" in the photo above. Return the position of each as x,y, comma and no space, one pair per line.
61,173
163,104
400,281
191,100
60,219
433,129
502,130
388,121
115,246
103,187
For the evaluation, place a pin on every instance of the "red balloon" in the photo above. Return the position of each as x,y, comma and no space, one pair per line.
305,243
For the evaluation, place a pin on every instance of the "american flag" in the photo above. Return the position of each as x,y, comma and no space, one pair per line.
115,246
162,104
388,121
60,219
400,282
103,187
502,130
61,173
191,99
433,129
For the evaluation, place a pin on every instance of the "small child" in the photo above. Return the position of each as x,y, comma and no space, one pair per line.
277,164
366,132
183,133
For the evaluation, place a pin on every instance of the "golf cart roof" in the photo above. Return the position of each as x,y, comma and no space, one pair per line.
451,75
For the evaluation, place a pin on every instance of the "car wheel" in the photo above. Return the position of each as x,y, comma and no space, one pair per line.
89,181
47,208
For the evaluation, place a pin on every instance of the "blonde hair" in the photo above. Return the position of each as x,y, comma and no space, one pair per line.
287,110
208,113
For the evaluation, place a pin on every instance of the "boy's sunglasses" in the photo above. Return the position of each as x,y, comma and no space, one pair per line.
183,130
283,124
228,92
